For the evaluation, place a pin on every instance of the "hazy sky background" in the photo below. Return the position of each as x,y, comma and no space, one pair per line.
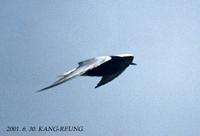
42,39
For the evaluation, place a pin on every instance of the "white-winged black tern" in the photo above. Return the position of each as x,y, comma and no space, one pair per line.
107,67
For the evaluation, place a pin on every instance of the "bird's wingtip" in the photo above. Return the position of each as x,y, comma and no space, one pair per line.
41,90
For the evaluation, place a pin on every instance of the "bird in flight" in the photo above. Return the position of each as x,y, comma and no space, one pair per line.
107,67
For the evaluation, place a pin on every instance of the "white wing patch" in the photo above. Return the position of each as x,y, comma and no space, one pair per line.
124,55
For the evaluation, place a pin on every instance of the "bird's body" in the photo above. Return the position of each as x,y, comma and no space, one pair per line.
112,66
109,67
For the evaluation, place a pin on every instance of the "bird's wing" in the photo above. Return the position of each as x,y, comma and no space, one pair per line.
86,65
108,78
63,79
83,67
95,61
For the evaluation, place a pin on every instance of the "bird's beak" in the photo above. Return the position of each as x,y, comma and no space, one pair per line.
133,63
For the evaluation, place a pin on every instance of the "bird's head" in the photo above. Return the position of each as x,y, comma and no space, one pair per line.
127,59
132,63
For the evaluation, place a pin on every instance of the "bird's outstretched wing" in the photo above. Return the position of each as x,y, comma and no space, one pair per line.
83,67
108,78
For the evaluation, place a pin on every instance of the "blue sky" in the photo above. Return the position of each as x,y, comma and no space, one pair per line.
42,39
